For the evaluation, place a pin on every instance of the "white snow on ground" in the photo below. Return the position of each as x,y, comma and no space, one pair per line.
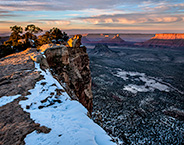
153,84
150,83
135,88
7,99
68,119
125,74
122,74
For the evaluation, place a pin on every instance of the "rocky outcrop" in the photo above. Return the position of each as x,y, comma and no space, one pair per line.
165,40
75,41
103,50
71,66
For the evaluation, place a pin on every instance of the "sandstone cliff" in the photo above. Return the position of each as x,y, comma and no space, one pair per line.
168,36
165,40
70,66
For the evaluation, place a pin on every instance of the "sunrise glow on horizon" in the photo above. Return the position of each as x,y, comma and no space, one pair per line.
95,16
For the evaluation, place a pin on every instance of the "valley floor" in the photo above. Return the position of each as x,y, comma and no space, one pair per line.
138,96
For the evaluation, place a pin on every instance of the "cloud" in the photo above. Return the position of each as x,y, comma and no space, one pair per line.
132,19
54,22
166,7
58,5
2,12
6,22
7,14
93,13
22,23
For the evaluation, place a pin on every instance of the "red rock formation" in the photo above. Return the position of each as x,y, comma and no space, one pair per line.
169,36
165,40
75,41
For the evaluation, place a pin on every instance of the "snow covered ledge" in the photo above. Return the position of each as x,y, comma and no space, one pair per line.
49,105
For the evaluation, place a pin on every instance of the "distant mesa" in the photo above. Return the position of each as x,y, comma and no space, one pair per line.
172,40
165,40
103,50
115,39
169,36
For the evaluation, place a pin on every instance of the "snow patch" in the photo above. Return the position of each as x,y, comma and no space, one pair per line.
135,88
7,99
67,119
150,83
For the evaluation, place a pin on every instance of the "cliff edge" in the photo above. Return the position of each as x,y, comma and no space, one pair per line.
70,66
38,97
172,40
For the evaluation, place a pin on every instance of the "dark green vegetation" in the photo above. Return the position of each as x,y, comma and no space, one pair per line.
150,117
5,50
19,41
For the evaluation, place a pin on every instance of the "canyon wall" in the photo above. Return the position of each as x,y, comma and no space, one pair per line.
165,40
168,36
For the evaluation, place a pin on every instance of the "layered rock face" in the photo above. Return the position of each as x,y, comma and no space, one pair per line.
71,66
165,40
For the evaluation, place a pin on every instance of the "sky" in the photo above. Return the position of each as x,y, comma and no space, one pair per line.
147,16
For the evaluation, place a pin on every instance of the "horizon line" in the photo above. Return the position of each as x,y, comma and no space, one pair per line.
108,31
